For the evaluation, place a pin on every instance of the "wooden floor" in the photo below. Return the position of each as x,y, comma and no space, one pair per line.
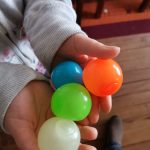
132,102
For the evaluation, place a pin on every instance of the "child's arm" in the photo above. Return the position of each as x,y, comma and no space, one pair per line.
48,23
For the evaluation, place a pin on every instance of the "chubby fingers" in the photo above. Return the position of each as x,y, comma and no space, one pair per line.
95,110
86,147
87,133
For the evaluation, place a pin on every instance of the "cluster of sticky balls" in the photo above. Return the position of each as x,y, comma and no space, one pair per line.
71,100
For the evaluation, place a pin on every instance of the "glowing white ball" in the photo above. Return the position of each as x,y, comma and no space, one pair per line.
59,134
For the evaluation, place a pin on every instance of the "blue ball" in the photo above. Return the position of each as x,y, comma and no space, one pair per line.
66,72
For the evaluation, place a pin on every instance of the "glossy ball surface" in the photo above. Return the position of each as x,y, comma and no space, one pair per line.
71,101
66,72
58,134
102,77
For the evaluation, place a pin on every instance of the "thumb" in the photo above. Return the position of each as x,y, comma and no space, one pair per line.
81,44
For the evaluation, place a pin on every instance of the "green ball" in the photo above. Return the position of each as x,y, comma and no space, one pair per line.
71,101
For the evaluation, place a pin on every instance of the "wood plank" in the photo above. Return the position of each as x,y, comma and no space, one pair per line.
134,59
135,87
129,42
133,99
136,75
139,146
132,102
139,128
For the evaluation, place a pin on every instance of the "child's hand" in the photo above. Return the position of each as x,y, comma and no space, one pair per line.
82,49
29,110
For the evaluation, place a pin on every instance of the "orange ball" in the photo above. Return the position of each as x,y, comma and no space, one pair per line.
102,77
